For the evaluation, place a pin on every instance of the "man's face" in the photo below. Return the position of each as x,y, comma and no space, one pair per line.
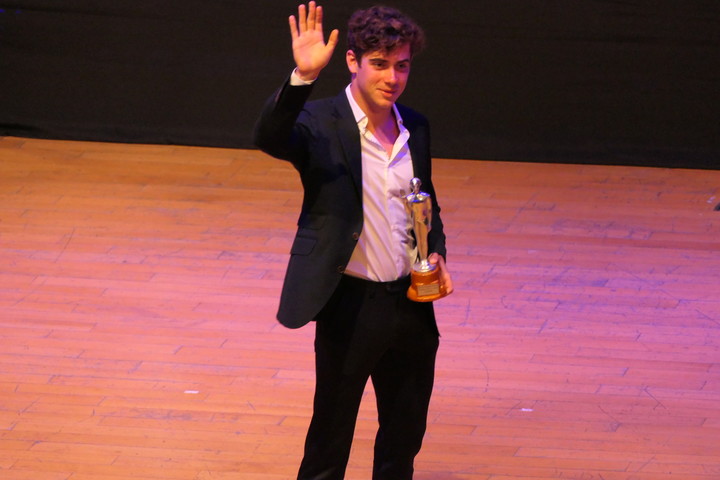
379,78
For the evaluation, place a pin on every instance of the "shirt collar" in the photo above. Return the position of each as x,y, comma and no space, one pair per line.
360,116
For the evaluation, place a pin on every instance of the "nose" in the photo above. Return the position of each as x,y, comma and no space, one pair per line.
391,76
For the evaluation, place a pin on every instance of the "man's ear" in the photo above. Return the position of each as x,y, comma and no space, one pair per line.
352,61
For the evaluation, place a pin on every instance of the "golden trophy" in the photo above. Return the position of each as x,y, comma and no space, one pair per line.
425,283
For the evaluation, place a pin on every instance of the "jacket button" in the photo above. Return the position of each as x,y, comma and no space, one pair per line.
341,269
355,235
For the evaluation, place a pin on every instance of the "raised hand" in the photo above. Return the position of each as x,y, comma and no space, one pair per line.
310,51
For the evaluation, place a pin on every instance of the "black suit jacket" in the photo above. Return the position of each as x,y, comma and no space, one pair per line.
321,139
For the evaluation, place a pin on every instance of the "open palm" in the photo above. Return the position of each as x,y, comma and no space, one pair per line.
310,51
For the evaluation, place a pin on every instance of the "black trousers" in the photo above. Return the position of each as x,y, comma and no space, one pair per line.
371,330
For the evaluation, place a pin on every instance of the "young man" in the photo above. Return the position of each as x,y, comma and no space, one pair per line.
353,251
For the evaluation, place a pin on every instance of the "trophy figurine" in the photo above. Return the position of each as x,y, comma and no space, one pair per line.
425,277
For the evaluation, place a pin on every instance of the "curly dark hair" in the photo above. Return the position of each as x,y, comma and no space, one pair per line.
384,29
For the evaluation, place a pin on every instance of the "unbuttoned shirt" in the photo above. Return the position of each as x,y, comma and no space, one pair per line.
386,248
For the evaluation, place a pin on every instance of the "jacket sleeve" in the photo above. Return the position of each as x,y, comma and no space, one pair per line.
436,237
277,131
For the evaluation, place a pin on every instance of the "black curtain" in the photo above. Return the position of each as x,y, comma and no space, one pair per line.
583,81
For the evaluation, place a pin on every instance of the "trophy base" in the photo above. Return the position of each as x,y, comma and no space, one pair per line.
425,286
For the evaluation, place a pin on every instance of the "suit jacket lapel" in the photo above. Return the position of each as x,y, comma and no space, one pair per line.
414,154
415,143
347,131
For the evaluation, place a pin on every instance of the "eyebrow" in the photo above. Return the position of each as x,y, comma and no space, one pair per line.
383,59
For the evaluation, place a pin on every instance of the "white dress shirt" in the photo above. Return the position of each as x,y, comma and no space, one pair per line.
386,248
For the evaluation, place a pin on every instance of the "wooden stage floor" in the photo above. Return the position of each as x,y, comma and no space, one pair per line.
138,286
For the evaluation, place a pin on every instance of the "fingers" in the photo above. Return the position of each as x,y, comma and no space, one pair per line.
447,281
434,258
302,17
308,18
299,26
315,20
445,277
333,39
312,14
293,27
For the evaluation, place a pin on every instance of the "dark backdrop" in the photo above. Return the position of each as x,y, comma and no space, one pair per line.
586,81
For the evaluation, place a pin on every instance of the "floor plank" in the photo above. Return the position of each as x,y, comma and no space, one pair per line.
138,286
